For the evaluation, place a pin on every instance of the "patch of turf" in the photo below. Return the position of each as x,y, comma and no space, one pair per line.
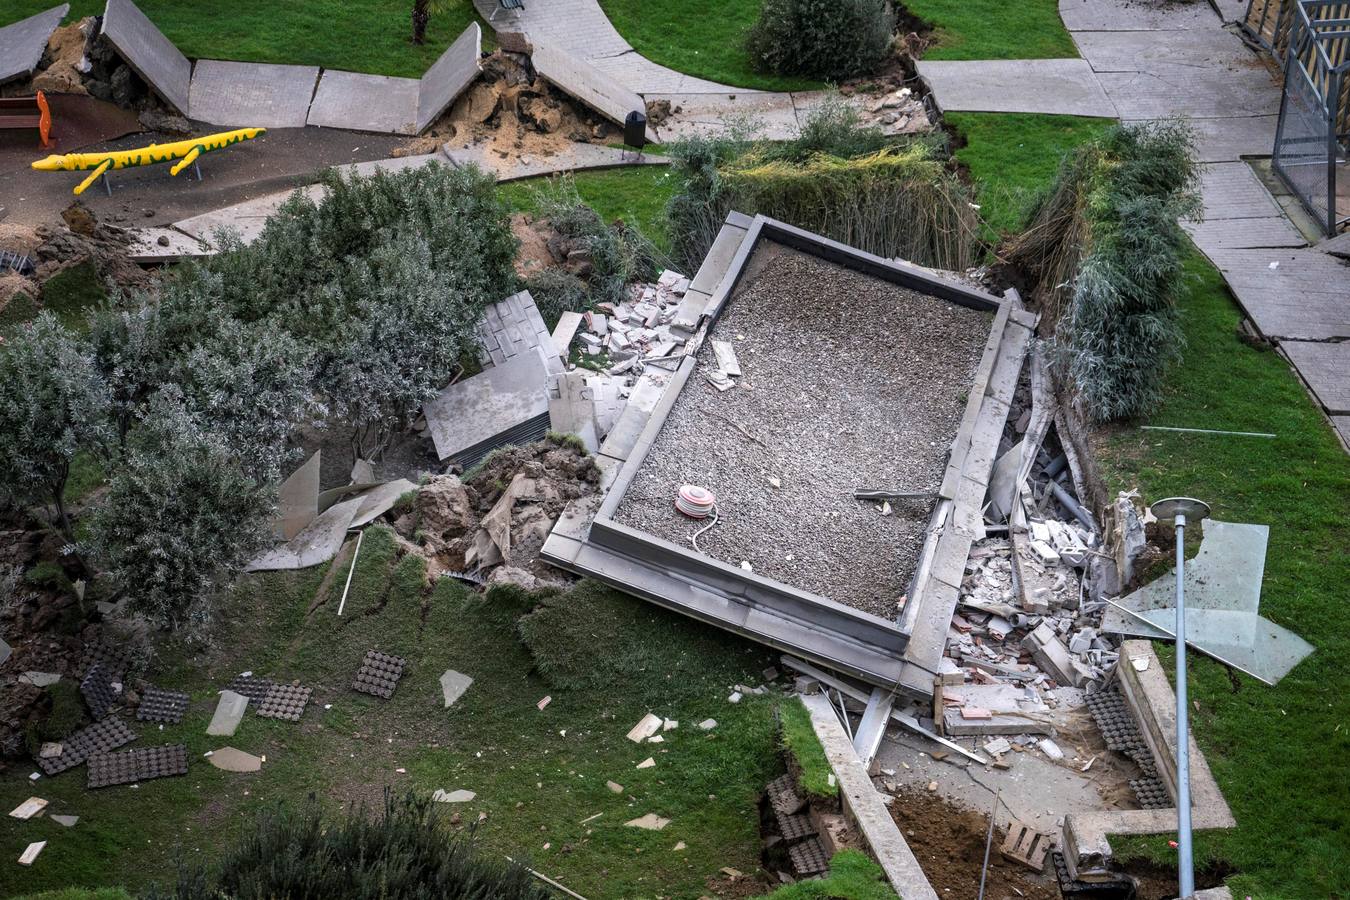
539,775
989,29
353,35
1277,752
80,894
71,294
853,876
800,741
638,196
1013,158
86,474
704,38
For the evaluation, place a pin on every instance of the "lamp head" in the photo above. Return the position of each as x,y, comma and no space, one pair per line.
1188,507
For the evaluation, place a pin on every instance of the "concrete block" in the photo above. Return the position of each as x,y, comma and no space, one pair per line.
1052,656
587,84
22,42
229,712
149,53
449,76
251,95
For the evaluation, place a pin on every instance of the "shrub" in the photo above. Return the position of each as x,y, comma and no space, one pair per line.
840,177
404,853
556,292
54,403
180,514
1107,251
828,39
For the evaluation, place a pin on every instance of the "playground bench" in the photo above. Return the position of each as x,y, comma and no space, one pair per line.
27,112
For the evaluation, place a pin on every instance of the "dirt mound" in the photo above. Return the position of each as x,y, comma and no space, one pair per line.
949,844
85,238
500,513
66,64
515,112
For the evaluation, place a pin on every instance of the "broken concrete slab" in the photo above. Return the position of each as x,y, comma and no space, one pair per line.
614,787
1058,86
1052,656
571,409
650,822
39,679
587,84
564,332
229,713
64,821
647,726
22,43
507,403
573,158
453,686
378,500
251,95
646,763
298,498
360,102
232,760
149,53
28,808
317,543
459,796
449,76
31,852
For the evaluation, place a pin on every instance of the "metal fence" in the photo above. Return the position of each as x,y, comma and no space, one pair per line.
1313,136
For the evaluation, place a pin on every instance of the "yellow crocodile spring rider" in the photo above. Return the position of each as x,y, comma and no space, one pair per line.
185,152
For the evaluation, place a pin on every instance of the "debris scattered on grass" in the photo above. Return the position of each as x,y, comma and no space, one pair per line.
28,808
651,822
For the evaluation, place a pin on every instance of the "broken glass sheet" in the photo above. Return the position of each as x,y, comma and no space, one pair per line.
1223,594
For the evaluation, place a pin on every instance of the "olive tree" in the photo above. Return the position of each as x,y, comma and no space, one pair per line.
53,404
180,514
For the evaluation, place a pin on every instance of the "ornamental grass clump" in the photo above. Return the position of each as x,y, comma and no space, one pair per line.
1105,248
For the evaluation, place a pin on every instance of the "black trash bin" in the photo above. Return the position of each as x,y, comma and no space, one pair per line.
635,130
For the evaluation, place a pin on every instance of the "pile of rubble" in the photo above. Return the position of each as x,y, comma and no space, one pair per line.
637,331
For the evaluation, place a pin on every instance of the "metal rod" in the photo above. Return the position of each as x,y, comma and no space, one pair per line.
1186,872
989,842
894,495
1260,434
548,881
351,571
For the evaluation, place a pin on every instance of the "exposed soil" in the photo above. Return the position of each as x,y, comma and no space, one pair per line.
949,844
849,383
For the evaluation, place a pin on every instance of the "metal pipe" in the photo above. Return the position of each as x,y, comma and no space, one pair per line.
360,535
989,842
1185,866
1073,506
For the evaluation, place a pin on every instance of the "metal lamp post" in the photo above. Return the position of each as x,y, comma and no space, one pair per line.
1179,510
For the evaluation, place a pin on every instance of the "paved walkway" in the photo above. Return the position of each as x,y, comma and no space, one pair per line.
1157,61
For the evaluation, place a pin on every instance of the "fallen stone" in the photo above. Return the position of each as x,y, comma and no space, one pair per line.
232,760
229,713
735,697
679,846
997,746
28,808
1050,749
31,853
544,702
65,821
459,796
645,728
614,786
707,725
39,679
453,686
651,822
646,763
669,725
50,750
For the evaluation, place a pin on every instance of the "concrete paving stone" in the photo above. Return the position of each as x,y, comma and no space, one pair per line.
149,53
649,822
579,79
1113,15
1325,366
459,796
379,674
1302,298
1232,191
576,158
1057,86
478,409
514,327
39,679
108,734
453,686
774,115
1149,51
317,543
1181,91
229,713
251,95
361,102
1239,234
30,853
449,76
285,701
232,760
1342,426
23,42
252,687
1227,139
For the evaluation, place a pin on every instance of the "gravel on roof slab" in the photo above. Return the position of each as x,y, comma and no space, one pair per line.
849,383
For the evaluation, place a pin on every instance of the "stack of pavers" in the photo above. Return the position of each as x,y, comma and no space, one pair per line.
101,737
379,674
1122,735
804,847
128,766
284,701
159,705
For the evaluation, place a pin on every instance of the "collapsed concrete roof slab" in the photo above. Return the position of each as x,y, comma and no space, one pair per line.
149,53
298,498
587,84
317,543
899,652
449,76
251,95
23,42
360,102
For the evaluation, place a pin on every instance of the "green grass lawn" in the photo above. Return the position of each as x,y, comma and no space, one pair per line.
1277,752
355,35
637,195
994,29
698,37
1013,157
539,775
